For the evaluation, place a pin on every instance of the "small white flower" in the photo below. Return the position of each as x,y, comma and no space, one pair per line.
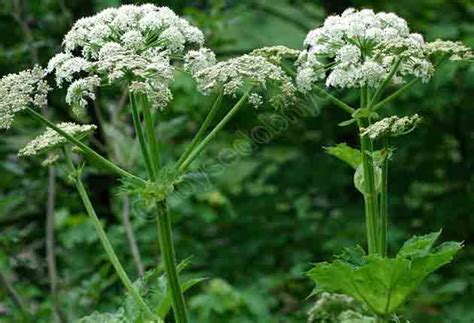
196,60
50,139
65,66
172,38
133,39
81,90
348,54
255,99
19,91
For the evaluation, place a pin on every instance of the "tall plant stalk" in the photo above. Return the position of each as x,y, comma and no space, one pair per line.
370,191
103,236
149,147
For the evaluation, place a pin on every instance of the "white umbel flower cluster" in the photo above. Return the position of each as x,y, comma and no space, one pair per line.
456,51
359,48
392,127
238,75
130,45
19,91
50,139
134,27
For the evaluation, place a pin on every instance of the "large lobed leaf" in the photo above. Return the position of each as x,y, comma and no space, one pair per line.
384,284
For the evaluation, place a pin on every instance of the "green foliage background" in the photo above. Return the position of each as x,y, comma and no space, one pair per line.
255,229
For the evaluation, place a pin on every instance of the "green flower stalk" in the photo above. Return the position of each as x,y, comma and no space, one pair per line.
57,137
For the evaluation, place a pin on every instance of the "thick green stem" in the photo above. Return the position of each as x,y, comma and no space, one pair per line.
202,130
383,230
213,133
141,137
370,194
169,259
87,151
163,221
104,239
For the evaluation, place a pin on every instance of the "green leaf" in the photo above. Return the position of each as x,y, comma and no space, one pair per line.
384,284
418,246
347,154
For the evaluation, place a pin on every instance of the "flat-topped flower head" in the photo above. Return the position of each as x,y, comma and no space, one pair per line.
253,73
50,139
392,127
359,48
19,91
134,27
131,45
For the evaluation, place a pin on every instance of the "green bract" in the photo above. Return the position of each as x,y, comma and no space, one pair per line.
384,284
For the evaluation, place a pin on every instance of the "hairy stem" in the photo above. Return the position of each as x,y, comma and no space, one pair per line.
104,239
202,130
213,133
87,151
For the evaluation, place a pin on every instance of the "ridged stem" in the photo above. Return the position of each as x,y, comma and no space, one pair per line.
163,221
104,240
370,194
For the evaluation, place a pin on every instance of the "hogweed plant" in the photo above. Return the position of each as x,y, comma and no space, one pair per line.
375,54
141,49
138,49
